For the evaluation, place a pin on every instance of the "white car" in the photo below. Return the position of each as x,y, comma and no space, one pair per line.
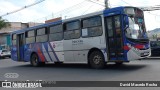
5,53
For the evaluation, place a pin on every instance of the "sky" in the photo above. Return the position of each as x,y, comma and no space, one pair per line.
70,8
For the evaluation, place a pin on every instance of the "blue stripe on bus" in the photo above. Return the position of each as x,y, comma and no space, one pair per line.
46,47
113,58
53,52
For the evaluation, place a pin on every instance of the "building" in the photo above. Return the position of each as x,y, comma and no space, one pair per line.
5,40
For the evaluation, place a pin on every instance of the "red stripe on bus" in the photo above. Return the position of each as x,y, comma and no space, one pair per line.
139,46
126,47
40,54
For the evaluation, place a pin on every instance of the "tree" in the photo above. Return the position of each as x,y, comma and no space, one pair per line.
3,23
154,36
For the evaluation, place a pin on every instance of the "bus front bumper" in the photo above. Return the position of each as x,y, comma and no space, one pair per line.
138,54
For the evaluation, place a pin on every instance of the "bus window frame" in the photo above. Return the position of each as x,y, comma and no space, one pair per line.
49,33
46,33
65,29
14,39
26,36
101,25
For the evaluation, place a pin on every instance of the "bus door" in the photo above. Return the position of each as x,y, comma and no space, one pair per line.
20,46
114,38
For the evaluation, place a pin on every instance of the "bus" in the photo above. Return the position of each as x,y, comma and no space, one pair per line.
113,35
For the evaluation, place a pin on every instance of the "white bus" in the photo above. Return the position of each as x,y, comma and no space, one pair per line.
113,35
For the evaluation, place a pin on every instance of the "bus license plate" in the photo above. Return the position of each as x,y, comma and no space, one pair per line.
146,53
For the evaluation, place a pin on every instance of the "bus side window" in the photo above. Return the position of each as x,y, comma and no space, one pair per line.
72,30
14,39
92,27
30,36
56,33
42,35
117,26
109,26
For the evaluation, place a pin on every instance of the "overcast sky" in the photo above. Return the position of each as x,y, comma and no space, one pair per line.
50,8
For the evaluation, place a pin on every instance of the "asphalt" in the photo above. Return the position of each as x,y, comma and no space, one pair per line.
144,70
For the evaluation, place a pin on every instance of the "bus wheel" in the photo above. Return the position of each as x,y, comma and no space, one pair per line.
34,61
96,60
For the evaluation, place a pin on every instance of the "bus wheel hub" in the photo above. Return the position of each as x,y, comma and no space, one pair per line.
97,59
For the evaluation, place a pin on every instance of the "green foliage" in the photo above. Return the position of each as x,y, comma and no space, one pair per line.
3,23
154,36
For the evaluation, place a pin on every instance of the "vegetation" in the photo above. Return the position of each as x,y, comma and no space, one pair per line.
3,23
154,36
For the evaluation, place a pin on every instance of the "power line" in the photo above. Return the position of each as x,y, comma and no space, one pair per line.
96,3
72,8
22,8
126,2
78,6
87,9
67,10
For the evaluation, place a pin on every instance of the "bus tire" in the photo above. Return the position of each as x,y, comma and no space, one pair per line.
34,61
96,60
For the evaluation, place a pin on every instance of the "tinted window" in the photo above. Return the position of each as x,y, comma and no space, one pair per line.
14,36
14,42
42,38
117,26
55,29
72,25
30,37
56,36
117,21
72,30
41,31
30,33
74,34
95,31
30,40
109,26
91,22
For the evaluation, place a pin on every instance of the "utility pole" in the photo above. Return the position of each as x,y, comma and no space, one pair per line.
106,4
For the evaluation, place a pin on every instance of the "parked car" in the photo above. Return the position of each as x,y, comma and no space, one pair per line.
5,53
155,48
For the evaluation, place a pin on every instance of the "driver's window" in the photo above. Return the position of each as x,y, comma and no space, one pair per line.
110,27
131,22
117,21
117,25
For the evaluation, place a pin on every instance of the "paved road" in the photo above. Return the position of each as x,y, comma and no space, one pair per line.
144,70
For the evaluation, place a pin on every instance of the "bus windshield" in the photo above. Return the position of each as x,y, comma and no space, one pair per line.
136,28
